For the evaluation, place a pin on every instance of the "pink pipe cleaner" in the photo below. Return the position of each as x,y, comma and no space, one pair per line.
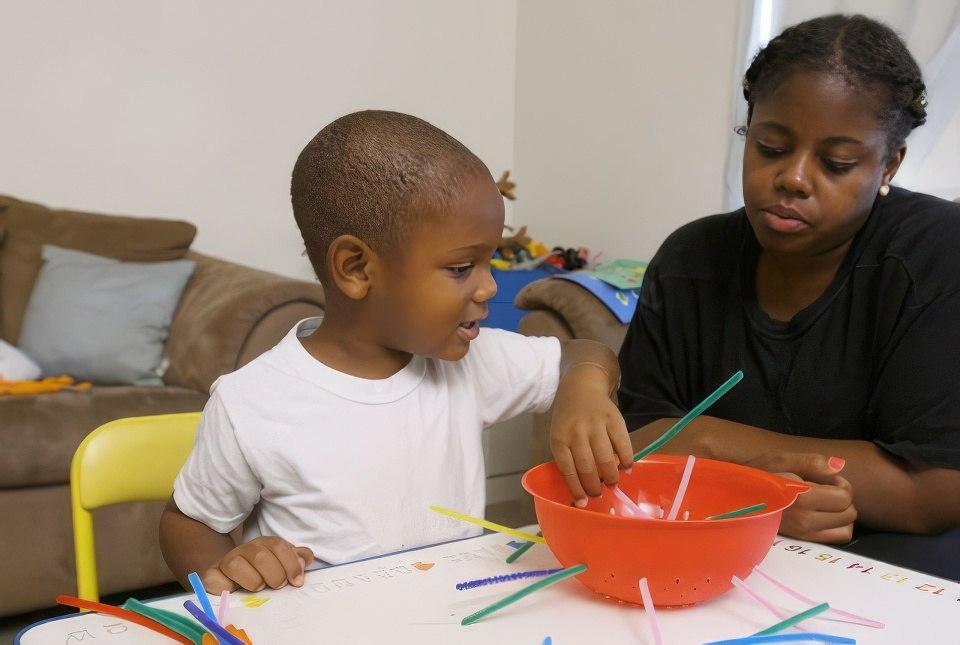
651,612
682,489
740,584
222,608
627,507
799,596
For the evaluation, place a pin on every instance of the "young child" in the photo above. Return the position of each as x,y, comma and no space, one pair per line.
333,444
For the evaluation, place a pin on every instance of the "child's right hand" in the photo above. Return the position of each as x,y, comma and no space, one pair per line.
262,562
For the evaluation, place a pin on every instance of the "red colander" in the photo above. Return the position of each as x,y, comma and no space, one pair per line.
684,561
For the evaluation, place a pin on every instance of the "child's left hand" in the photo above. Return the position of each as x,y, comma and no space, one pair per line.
588,436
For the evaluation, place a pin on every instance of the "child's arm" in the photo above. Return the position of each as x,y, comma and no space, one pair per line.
189,545
217,485
588,436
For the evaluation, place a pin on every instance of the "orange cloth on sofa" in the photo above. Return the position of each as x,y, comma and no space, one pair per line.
41,386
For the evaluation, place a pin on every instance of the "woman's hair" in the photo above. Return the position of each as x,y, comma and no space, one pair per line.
864,52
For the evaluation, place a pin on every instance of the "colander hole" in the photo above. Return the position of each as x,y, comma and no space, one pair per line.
678,580
708,580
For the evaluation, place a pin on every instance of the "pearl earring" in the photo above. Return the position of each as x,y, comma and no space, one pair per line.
884,190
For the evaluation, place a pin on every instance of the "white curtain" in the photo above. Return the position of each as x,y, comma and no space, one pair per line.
931,29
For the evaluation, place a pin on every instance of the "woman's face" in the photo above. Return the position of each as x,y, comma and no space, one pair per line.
814,158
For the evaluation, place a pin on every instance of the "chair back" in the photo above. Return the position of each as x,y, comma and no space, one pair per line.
128,460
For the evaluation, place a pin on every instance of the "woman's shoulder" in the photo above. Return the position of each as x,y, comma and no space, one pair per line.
707,248
922,232
919,209
906,215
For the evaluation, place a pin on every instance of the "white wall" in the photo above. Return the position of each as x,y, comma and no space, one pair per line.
197,110
623,119
940,172
615,115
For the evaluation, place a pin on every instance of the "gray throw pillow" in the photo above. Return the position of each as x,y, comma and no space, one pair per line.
102,320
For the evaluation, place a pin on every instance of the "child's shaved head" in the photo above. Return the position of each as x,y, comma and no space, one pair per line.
376,175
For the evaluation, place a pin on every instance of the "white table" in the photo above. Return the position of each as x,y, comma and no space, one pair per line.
411,598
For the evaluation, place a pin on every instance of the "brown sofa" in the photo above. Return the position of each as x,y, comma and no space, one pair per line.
566,310
227,315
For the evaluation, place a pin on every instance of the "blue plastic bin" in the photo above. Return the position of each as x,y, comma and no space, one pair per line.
509,283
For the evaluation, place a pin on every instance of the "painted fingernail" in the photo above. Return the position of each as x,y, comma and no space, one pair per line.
581,503
836,463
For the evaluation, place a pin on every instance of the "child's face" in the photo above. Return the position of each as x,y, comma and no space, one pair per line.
437,291
814,157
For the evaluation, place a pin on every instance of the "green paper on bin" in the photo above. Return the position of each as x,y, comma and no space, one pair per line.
622,274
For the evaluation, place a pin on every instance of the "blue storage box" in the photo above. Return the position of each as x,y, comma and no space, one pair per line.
509,283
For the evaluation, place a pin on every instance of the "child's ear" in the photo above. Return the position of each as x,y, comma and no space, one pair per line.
351,263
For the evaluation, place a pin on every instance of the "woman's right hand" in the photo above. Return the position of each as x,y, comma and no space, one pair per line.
262,562
826,512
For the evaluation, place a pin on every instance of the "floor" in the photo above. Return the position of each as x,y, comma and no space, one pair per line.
512,513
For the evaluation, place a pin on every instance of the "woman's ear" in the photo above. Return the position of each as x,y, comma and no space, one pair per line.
892,165
351,264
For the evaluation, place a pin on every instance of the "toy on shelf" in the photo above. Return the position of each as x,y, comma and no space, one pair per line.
505,186
518,251
569,259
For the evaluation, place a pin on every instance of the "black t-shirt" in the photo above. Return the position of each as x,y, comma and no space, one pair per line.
875,357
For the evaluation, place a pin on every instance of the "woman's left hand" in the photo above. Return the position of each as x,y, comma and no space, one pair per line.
826,512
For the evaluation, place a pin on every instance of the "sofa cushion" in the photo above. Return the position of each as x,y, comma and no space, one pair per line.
15,365
102,320
27,227
216,327
39,434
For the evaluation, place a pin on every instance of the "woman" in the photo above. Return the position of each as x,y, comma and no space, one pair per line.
836,294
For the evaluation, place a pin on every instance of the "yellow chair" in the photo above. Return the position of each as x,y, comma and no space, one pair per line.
127,460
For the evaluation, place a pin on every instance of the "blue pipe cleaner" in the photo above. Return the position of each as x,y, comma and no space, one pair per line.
539,573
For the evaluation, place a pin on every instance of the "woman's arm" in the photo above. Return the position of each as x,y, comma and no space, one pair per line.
888,493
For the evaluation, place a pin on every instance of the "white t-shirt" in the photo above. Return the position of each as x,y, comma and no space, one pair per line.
349,466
